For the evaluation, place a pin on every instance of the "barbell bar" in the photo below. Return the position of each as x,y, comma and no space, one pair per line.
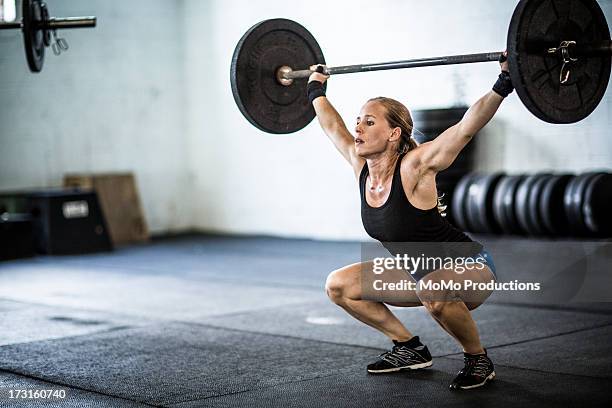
36,25
558,51
411,63
603,48
56,23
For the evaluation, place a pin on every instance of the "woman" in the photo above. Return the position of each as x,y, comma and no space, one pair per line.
397,180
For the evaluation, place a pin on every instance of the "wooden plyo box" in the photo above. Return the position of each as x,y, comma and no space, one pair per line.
119,201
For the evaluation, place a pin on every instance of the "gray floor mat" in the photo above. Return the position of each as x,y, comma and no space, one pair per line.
125,292
498,324
584,353
423,388
177,362
255,260
256,329
73,397
25,322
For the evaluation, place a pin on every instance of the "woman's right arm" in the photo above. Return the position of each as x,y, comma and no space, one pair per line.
335,128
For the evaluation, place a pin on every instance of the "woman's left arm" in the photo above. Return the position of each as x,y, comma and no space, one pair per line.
441,152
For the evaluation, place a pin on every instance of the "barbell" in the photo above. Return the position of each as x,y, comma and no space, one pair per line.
558,51
37,25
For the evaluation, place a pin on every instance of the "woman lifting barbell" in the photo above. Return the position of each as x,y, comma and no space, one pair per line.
400,203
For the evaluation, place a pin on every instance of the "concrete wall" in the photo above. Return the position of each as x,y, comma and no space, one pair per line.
148,91
114,102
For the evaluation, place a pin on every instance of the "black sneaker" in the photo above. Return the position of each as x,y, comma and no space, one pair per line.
477,371
401,358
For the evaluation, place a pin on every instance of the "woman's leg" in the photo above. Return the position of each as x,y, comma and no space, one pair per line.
451,309
344,288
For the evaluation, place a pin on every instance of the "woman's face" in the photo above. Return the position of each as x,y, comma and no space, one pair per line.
373,135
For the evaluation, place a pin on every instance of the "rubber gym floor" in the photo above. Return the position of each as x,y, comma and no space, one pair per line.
222,321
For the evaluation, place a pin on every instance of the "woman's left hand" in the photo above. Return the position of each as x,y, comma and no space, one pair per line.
504,62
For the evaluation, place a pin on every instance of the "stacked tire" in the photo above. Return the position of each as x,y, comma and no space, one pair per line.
540,204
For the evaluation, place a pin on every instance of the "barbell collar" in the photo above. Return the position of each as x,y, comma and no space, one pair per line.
412,63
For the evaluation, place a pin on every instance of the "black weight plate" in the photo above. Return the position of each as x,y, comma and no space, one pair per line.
44,10
470,213
33,36
579,199
458,206
535,196
498,203
596,205
509,210
521,203
537,25
567,206
573,199
480,203
490,184
268,105
551,208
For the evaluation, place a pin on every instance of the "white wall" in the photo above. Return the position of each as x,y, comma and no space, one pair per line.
252,182
148,91
113,102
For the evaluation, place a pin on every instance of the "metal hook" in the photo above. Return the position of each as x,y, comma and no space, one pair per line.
59,44
63,44
564,75
566,61
56,49
54,46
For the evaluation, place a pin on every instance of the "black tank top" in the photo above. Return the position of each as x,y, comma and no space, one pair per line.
399,221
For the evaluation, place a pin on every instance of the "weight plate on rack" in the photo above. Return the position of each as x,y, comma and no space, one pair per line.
33,36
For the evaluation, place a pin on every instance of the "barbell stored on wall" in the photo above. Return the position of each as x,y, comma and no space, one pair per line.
37,27
558,50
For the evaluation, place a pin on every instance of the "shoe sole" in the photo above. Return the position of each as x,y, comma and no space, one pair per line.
396,369
491,377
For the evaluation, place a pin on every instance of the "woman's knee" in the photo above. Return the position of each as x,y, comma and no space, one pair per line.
436,299
435,307
436,303
333,287
340,285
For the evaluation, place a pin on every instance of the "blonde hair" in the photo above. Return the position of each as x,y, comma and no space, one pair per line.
398,115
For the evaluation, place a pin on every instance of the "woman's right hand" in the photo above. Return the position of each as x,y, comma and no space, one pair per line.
317,76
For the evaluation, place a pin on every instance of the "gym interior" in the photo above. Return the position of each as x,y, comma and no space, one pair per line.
161,246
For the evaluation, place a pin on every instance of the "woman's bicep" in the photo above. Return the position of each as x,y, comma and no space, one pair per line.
441,152
336,130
